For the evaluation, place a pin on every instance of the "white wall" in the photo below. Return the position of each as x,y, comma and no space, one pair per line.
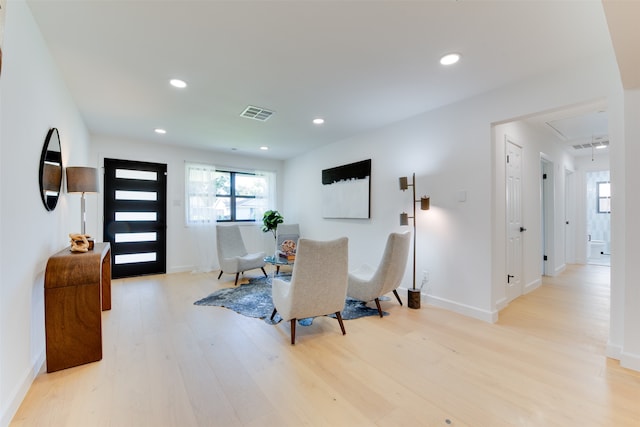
451,149
185,245
630,344
33,99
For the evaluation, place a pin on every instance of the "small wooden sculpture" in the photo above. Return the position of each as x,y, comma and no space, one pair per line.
79,242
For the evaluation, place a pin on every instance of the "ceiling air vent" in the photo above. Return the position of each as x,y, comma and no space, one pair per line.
591,144
256,113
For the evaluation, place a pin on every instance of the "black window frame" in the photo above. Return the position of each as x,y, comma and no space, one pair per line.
233,197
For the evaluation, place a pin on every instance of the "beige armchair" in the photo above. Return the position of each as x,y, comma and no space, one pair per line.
318,283
367,284
232,255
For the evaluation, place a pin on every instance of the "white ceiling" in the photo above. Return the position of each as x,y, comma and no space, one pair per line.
358,64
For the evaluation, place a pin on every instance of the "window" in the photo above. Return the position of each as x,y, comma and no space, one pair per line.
224,195
604,197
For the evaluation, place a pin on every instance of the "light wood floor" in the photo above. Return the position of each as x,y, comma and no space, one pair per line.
170,363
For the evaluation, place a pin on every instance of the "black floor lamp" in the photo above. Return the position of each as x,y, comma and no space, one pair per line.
413,297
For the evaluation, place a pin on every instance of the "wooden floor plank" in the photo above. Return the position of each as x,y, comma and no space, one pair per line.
168,362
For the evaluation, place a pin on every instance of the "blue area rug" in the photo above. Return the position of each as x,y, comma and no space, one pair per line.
254,300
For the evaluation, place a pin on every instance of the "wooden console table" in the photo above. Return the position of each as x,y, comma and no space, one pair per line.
77,288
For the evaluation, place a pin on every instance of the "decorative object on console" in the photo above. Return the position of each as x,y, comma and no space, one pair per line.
81,242
82,180
346,191
413,294
51,170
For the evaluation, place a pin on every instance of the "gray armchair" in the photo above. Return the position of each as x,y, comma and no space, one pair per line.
232,255
318,283
286,232
367,284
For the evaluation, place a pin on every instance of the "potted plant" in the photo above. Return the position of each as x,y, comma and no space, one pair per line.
270,221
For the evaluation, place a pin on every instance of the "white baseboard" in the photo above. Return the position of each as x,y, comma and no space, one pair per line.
500,304
19,393
465,310
613,351
181,269
630,361
532,286
560,269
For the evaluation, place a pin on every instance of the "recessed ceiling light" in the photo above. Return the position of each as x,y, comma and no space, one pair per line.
178,83
160,131
450,59
318,121
600,147
264,148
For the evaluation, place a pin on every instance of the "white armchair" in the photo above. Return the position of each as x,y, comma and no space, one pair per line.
367,284
318,283
232,255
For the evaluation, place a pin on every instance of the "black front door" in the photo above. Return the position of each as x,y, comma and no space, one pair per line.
135,212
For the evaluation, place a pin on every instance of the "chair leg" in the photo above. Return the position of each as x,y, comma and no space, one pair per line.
236,283
378,305
275,310
395,292
220,275
339,317
293,331
264,272
277,269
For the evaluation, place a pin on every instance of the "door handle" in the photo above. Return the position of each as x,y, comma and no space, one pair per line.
522,229
509,277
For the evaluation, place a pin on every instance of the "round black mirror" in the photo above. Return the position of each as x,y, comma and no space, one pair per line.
51,170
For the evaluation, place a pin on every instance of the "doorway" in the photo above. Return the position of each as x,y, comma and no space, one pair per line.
514,219
135,214
569,217
598,216
547,257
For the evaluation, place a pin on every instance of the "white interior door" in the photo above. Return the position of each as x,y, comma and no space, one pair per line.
514,220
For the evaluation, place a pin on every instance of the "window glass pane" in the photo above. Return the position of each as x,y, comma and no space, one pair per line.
134,174
249,185
604,205
223,209
604,189
245,208
223,183
131,258
136,216
136,237
136,195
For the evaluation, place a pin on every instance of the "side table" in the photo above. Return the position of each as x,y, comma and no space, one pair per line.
77,288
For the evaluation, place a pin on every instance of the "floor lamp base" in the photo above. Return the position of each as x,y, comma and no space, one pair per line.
413,298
